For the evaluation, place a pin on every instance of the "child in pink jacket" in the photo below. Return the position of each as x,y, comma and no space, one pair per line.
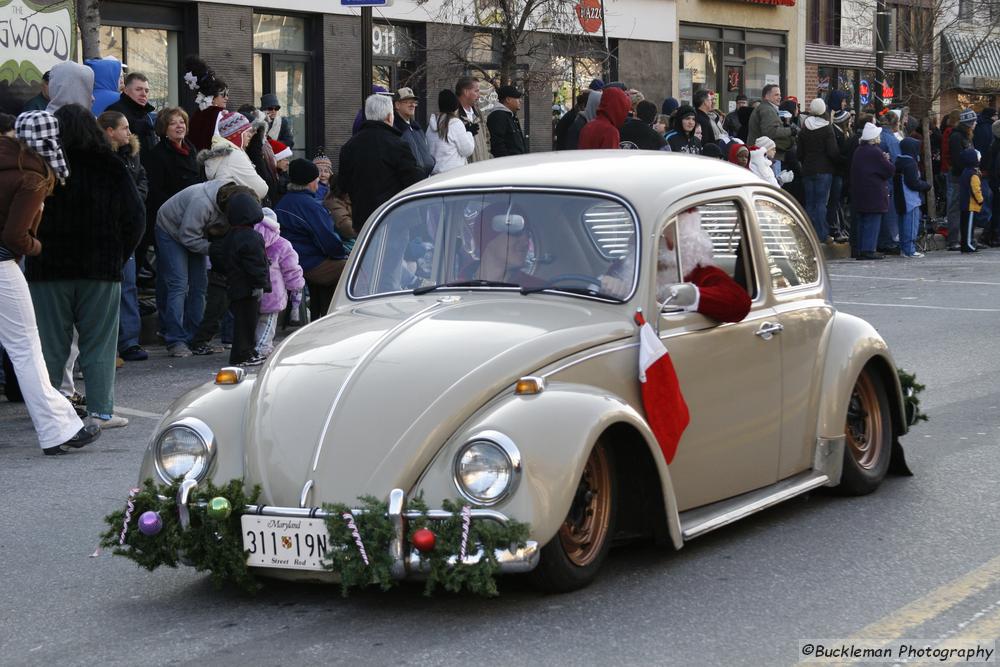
286,280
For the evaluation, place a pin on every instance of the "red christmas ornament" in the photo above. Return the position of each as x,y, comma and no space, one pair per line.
424,540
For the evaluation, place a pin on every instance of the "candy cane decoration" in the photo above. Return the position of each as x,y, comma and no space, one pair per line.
466,520
349,518
130,506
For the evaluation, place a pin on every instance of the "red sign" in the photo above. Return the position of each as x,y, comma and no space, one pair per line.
590,15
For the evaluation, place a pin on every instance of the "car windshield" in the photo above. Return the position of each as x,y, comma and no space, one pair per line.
527,241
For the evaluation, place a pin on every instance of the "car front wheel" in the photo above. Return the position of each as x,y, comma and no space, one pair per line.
869,436
573,557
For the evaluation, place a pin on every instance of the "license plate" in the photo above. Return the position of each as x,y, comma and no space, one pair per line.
274,541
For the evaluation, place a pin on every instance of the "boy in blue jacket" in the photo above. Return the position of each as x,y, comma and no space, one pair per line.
908,187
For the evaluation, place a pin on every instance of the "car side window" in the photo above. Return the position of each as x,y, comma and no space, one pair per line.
791,259
712,233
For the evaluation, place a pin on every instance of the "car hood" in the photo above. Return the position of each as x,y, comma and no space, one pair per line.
360,401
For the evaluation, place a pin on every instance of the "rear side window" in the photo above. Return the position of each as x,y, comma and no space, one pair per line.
791,260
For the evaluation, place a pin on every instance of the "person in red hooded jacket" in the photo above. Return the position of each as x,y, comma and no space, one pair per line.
602,132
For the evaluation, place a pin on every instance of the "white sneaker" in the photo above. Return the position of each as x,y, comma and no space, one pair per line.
114,422
916,255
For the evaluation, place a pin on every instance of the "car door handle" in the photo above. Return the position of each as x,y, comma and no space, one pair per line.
768,329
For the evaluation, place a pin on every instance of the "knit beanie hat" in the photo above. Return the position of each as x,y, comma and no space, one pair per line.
817,107
302,172
322,160
447,101
766,143
281,151
645,111
840,117
232,124
870,132
967,117
596,84
669,106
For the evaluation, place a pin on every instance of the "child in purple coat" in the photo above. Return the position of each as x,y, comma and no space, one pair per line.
286,280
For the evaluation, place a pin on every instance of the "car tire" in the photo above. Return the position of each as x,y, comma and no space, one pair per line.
868,430
575,554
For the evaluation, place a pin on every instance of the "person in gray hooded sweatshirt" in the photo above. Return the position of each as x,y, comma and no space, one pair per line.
588,114
70,83
181,251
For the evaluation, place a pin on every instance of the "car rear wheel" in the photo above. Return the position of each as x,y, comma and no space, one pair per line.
869,436
573,557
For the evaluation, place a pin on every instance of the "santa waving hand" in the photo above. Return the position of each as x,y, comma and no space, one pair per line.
706,289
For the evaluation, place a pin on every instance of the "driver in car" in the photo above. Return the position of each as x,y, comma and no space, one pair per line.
706,289
505,242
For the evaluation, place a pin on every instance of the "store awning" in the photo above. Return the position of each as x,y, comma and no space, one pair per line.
974,61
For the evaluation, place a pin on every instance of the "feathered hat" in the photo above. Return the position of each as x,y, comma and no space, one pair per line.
201,79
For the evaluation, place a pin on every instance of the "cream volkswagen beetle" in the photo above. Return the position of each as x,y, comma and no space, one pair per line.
473,351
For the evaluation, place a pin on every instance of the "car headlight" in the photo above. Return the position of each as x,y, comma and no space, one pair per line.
184,450
487,468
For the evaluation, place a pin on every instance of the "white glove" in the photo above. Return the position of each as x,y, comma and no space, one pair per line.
683,295
786,177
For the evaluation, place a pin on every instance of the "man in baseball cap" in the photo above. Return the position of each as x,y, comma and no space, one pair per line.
506,136
404,105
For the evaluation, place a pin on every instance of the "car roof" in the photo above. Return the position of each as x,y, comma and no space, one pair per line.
638,176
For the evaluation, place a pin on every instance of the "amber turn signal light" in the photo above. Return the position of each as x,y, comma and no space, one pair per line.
230,375
529,385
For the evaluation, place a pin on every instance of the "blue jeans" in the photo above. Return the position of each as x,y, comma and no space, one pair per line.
909,223
129,322
868,228
834,222
888,236
817,188
181,281
954,210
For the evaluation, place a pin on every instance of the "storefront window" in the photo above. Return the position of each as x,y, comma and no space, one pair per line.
574,76
279,33
284,73
698,67
868,88
763,68
152,52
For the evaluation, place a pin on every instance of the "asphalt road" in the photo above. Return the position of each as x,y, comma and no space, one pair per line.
919,559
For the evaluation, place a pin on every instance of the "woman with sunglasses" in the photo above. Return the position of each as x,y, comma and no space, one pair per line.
212,98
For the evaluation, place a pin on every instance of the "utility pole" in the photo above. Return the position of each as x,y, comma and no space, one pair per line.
881,39
366,54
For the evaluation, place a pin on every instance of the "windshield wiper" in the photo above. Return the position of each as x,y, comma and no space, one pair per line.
464,283
585,291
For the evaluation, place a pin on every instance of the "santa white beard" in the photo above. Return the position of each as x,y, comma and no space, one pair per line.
695,250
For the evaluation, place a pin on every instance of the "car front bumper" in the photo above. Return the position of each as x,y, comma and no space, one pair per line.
406,561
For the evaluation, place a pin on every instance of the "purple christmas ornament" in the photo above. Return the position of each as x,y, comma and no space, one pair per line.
150,523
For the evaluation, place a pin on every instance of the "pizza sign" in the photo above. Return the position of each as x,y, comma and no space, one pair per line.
590,15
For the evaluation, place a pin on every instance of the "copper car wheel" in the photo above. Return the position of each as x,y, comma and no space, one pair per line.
865,440
585,530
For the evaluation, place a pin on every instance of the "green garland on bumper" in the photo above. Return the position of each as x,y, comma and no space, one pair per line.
375,531
216,545
209,545
911,400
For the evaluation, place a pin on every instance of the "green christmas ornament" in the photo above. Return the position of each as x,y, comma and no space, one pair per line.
219,508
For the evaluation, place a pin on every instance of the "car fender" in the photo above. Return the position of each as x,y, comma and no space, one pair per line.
223,409
852,345
554,432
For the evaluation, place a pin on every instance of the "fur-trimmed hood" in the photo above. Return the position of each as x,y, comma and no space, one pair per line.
131,149
221,147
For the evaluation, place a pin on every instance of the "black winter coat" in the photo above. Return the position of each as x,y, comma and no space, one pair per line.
958,141
129,155
168,171
375,164
817,151
506,136
140,122
241,254
637,134
91,224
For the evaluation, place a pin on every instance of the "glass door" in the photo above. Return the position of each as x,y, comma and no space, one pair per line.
289,84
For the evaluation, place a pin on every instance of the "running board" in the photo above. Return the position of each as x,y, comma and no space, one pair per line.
706,519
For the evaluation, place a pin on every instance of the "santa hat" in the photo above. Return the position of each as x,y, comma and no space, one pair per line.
281,151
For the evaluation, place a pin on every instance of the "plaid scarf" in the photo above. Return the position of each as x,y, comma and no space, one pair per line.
40,131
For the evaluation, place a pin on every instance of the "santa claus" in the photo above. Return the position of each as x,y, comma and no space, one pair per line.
706,289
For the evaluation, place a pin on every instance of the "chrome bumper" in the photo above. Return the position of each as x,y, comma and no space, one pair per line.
406,562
